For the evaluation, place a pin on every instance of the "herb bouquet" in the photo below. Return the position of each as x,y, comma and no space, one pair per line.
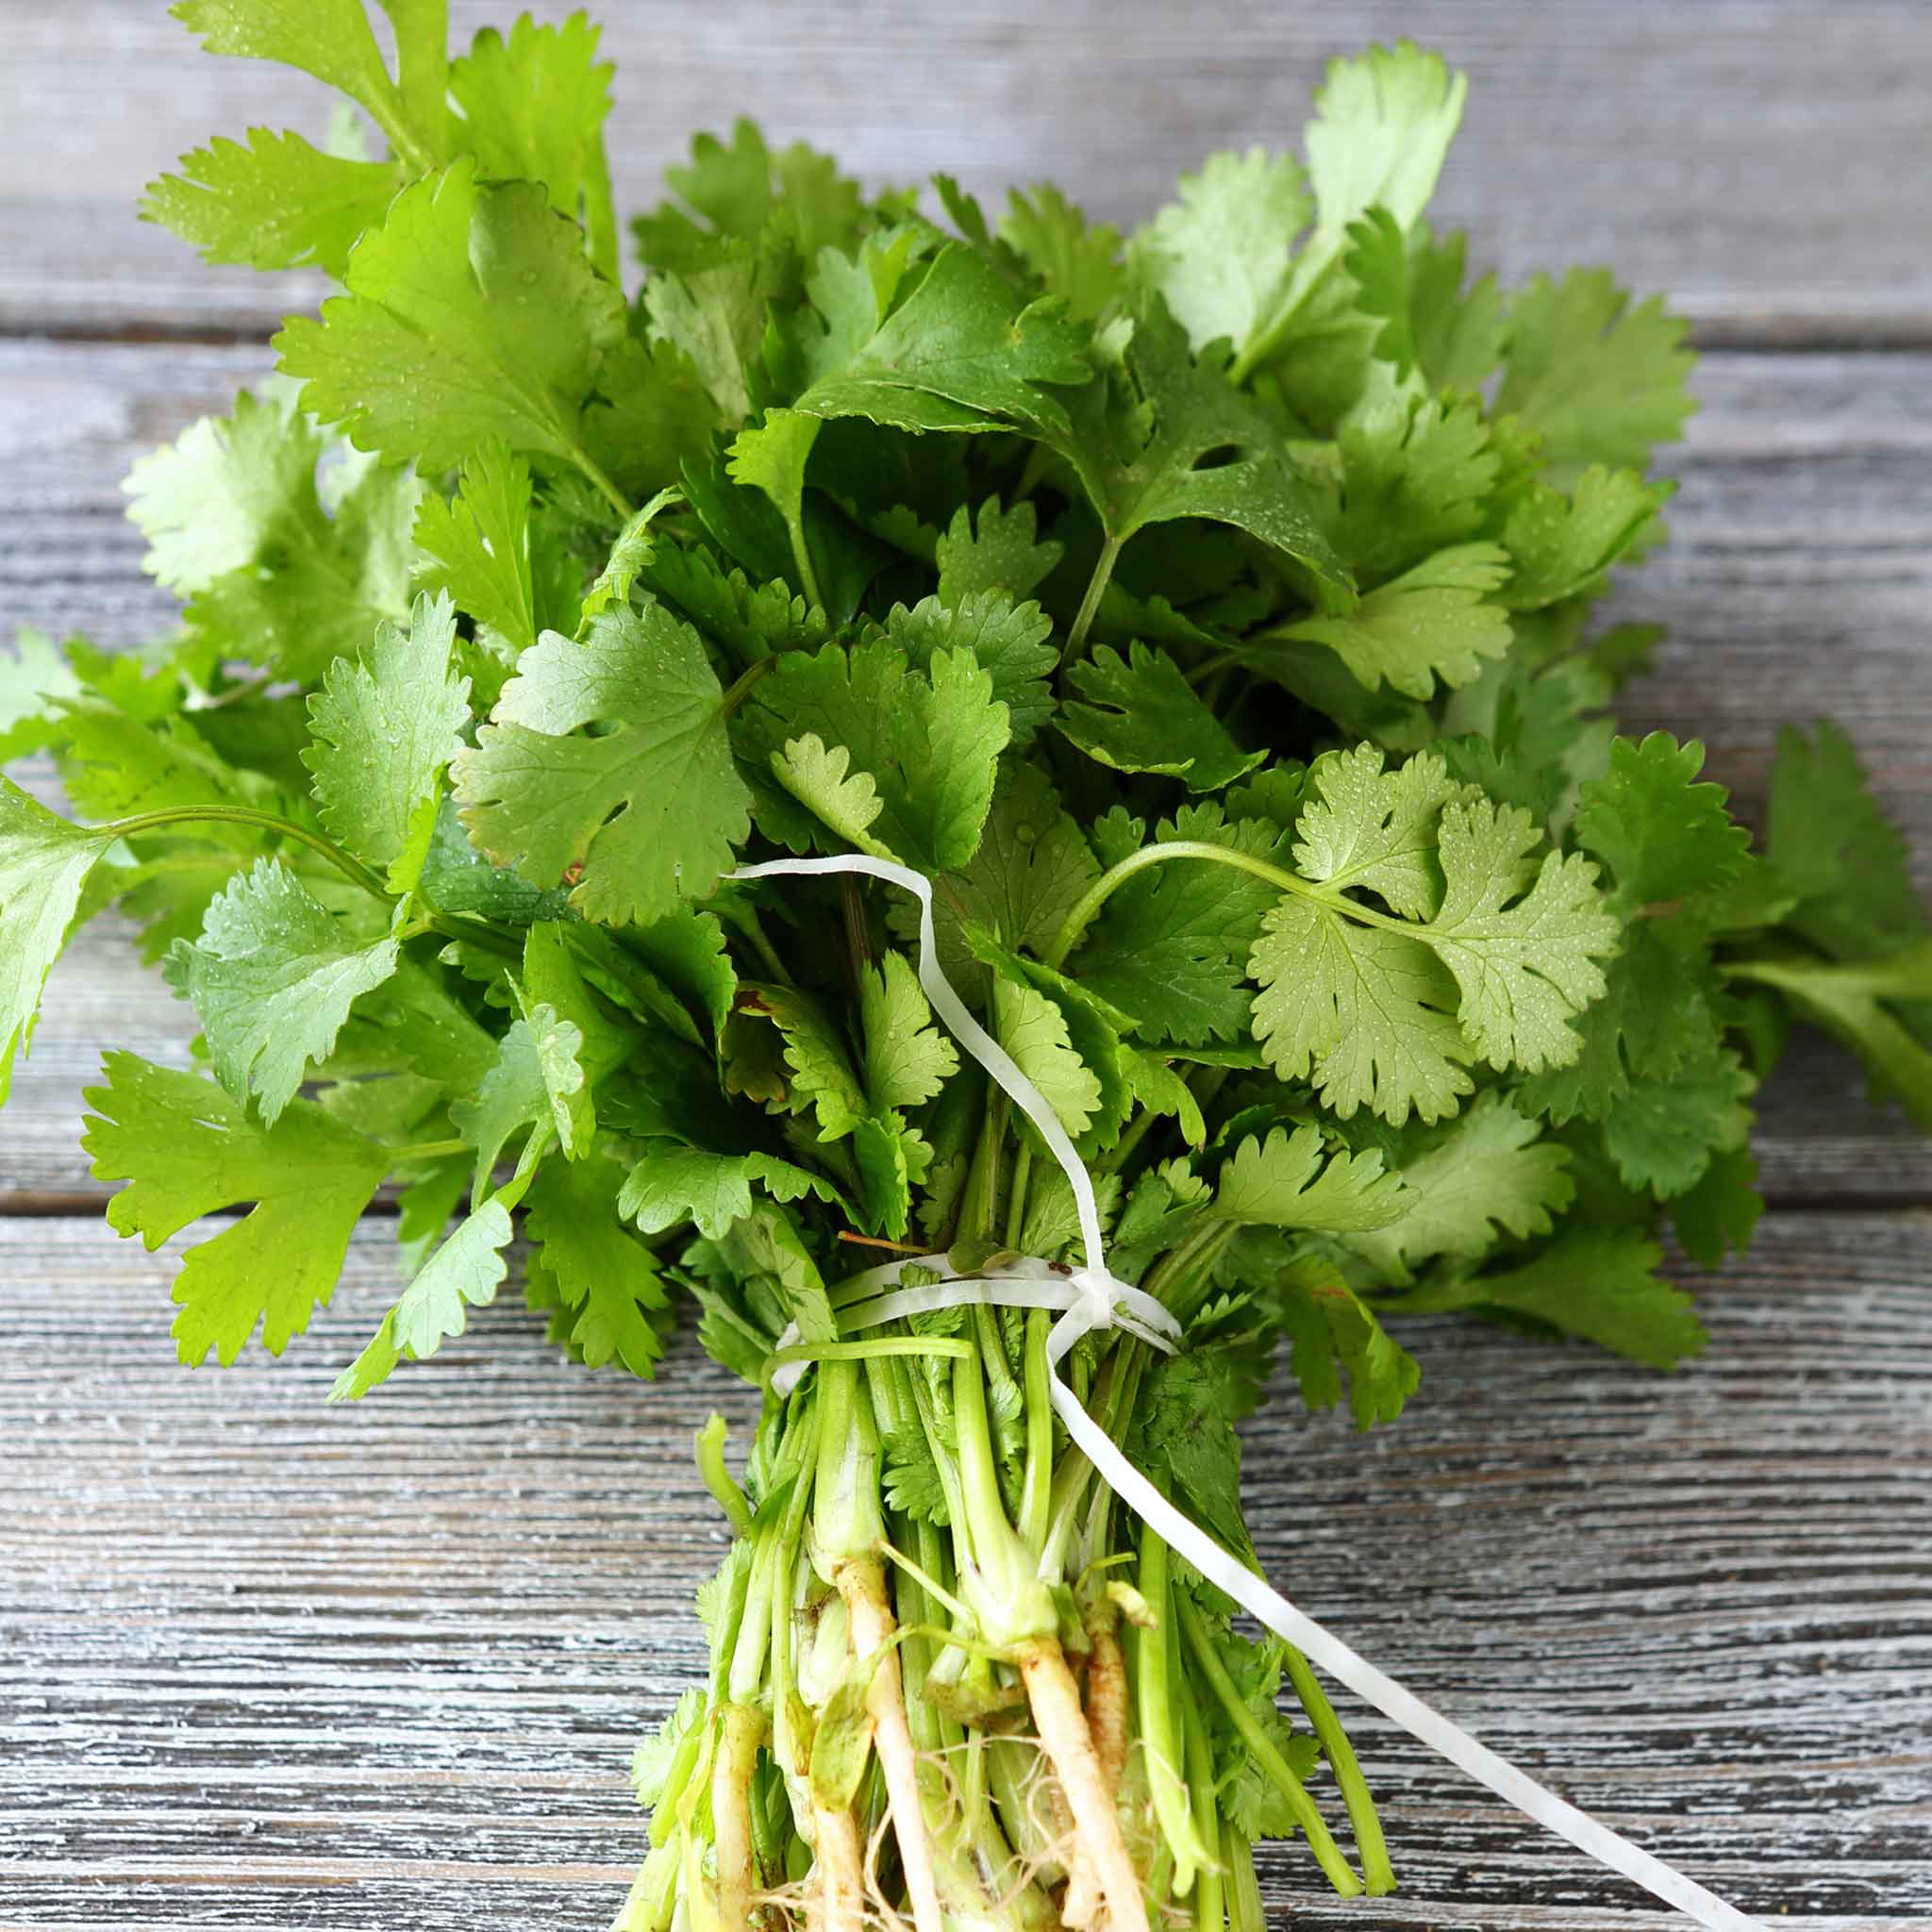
1203,620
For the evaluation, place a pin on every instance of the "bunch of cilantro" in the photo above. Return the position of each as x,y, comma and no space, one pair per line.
1208,612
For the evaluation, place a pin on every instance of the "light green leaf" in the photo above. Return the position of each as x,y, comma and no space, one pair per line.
633,549
930,743
272,203
1034,1031
1561,545
908,1060
463,1273
187,1149
1077,262
1486,1174
672,1184
995,550
1012,642
472,317
605,1279
1662,836
43,864
1600,382
478,544
650,807
1433,623
272,978
385,730
1293,1181
537,1082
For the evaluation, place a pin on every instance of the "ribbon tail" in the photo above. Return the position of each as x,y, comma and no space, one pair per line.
1270,1607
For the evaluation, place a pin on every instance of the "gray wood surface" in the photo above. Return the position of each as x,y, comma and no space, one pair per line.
265,1664
1798,582
268,1664
1764,159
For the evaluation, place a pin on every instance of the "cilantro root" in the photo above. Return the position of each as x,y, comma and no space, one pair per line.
1209,614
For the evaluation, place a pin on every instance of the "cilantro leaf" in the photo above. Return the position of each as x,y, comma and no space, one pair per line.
908,1060
1010,640
1487,1175
1141,715
1562,545
464,1272
385,729
274,202
1075,260
672,1184
533,108
995,549
1138,440
606,1282
1835,848
928,743
1385,1012
1600,382
1330,1331
537,1083
472,317
1293,1181
272,978
1597,1284
651,809
1662,836
187,1148
478,544
280,575
1434,622
45,863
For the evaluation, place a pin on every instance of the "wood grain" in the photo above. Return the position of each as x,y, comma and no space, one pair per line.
1728,152
1798,583
268,1663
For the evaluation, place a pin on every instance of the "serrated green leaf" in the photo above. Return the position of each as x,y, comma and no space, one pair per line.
1662,836
650,808
674,1183
1293,1181
272,978
187,1148
385,730
606,1280
43,864
472,317
1141,715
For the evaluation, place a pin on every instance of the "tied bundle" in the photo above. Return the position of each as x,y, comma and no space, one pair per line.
575,663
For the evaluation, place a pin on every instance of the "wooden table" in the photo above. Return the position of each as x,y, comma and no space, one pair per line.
268,1664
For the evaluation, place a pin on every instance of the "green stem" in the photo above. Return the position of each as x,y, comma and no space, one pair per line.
427,1151
746,918
709,1446
1096,589
1210,1910
1160,1734
257,821
1103,889
801,555
1369,1842
1036,1494
1321,1842
1016,1195
612,495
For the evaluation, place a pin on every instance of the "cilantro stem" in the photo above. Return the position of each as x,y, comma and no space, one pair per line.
1109,882
618,501
1096,589
260,821
1368,1843
427,1151
1321,1842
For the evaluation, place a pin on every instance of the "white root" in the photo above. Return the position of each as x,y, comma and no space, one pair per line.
862,1582
1068,1744
731,1814
840,1867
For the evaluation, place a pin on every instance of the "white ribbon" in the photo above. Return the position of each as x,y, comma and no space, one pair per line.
1095,1299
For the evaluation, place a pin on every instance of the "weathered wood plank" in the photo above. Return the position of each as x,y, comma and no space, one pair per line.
1724,152
268,1663
1797,583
